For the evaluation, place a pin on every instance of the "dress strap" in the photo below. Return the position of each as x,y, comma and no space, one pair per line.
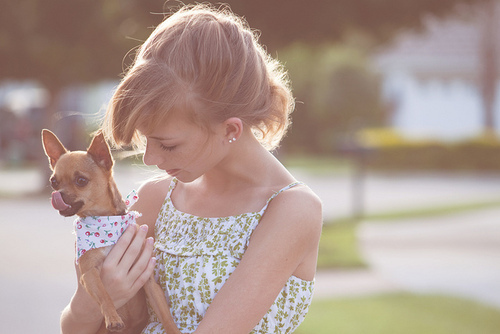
291,185
171,187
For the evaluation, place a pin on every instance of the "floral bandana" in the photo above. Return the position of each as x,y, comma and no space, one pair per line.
101,231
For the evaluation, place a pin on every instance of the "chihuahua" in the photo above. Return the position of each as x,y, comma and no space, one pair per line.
84,186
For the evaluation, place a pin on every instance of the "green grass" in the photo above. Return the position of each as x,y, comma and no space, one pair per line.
338,247
401,313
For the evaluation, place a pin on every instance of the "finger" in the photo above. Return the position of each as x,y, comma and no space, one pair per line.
134,249
143,261
146,274
115,255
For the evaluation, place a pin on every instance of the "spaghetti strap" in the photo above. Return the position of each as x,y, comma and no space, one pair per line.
291,185
171,187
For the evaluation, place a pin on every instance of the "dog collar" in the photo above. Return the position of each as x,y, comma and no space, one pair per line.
101,231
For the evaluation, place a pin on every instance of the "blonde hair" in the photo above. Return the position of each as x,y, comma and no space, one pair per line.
208,57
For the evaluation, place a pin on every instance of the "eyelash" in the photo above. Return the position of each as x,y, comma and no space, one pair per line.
167,148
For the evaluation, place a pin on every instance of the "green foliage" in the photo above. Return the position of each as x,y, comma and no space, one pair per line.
391,151
336,91
59,42
317,21
400,313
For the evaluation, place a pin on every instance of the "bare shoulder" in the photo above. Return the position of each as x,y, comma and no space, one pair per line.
298,201
151,197
297,210
287,237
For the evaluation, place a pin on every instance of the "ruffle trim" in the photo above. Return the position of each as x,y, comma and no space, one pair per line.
182,234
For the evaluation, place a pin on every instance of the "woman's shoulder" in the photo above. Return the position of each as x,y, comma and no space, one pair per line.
299,206
290,229
300,197
152,195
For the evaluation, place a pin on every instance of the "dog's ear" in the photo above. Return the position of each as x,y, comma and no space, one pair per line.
99,151
52,147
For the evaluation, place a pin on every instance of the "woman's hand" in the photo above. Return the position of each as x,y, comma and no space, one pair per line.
128,265
125,270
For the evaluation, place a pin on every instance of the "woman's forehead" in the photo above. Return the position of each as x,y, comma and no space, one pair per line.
170,127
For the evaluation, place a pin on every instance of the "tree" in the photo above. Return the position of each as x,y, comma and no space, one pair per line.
317,21
60,42
336,94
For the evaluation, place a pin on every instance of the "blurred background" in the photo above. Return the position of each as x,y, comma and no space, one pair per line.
396,128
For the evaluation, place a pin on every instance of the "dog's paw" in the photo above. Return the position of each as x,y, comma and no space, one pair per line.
115,326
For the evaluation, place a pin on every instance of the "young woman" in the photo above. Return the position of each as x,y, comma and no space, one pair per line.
236,236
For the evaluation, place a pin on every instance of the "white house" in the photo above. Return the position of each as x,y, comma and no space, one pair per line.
433,77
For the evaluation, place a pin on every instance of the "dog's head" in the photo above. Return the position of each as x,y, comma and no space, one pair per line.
82,181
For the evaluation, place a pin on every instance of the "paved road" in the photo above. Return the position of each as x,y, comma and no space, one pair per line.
454,255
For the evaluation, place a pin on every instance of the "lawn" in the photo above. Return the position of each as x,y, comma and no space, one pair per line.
400,313
338,246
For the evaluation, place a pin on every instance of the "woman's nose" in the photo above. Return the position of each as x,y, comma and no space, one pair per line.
150,158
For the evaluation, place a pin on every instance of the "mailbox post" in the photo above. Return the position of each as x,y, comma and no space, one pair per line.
357,154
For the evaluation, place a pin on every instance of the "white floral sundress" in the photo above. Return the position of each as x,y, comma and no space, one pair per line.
196,255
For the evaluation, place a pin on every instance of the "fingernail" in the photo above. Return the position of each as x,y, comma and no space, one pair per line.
150,240
144,228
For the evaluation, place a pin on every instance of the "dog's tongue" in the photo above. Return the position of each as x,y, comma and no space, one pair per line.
58,202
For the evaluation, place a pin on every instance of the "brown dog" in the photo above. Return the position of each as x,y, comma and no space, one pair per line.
83,185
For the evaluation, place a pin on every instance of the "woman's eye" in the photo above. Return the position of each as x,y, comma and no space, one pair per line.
81,181
167,148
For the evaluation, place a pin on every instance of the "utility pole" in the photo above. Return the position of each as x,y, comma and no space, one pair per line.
489,68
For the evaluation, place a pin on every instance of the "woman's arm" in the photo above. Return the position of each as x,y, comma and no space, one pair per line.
285,243
82,315
126,269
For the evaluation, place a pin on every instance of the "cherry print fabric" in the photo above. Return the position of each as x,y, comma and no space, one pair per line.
101,231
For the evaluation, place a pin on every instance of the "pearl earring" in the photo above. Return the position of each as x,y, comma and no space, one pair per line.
232,140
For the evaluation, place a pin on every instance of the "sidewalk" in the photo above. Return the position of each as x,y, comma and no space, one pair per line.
453,255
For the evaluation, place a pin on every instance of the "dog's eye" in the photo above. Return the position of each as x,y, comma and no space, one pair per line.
81,181
53,183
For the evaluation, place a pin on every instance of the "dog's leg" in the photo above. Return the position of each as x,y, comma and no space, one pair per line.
159,303
91,280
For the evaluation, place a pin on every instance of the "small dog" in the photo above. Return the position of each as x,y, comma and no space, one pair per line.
83,185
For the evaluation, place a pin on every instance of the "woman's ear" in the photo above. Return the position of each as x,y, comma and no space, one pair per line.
233,129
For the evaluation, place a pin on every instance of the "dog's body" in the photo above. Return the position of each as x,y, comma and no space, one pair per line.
83,185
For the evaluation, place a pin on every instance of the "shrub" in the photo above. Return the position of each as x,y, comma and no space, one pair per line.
390,150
